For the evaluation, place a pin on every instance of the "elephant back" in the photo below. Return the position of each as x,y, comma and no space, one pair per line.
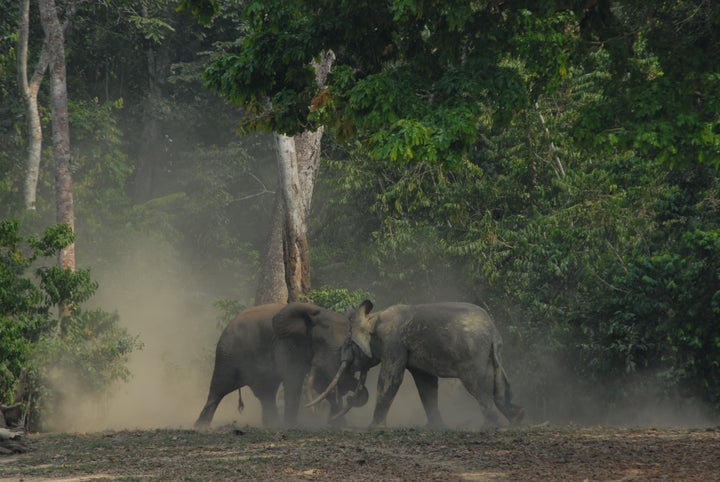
295,319
251,325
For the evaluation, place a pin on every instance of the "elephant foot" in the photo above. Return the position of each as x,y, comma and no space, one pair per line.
336,422
435,425
514,413
377,425
202,425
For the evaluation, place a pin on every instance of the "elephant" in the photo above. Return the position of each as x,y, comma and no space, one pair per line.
277,343
448,340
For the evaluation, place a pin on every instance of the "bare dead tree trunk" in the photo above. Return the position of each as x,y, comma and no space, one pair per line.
298,163
55,45
271,284
295,245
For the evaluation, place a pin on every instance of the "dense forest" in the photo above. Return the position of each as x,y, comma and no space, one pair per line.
555,162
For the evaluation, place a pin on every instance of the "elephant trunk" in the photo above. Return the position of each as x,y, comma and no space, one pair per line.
342,412
330,387
356,398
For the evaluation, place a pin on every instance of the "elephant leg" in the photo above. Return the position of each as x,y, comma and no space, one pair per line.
221,384
481,387
267,394
336,407
293,383
293,388
427,386
391,376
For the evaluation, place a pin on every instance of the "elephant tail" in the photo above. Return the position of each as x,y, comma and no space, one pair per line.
501,390
241,405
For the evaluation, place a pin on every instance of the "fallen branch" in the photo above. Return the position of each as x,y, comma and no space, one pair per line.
12,432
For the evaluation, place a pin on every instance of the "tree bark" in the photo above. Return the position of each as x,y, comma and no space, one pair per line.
12,433
55,46
298,164
29,91
295,246
271,284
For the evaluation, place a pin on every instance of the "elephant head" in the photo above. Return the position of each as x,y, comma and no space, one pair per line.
362,327
355,356
311,336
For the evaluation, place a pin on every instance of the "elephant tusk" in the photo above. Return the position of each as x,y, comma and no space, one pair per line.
310,383
361,380
330,387
342,412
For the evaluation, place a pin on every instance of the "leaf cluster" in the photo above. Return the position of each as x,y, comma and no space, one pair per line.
87,346
338,299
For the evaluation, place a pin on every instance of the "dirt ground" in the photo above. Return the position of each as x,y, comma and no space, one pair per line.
241,453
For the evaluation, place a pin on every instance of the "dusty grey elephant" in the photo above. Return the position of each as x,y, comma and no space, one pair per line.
449,340
271,344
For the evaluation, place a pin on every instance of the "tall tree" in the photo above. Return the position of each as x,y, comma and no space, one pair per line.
298,164
298,146
287,257
154,20
271,285
55,45
29,90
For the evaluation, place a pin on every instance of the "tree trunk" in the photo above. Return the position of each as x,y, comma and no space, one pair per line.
29,91
295,246
152,152
55,46
12,433
271,284
298,164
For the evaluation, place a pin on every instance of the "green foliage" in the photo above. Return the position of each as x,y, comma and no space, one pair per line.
88,347
338,299
663,317
661,97
229,309
542,161
605,271
153,28
405,81
19,295
91,353
22,310
204,10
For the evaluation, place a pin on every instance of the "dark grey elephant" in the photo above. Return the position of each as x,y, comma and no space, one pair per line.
271,344
448,340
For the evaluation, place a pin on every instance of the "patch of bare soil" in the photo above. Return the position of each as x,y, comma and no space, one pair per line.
231,453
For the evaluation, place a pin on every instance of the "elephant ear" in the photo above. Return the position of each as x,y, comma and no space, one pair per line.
363,326
294,319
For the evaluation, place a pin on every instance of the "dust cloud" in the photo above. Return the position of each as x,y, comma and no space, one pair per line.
458,409
158,300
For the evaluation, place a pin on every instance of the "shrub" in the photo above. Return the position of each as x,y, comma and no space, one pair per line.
88,349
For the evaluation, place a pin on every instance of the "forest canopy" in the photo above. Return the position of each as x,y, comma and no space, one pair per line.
554,161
